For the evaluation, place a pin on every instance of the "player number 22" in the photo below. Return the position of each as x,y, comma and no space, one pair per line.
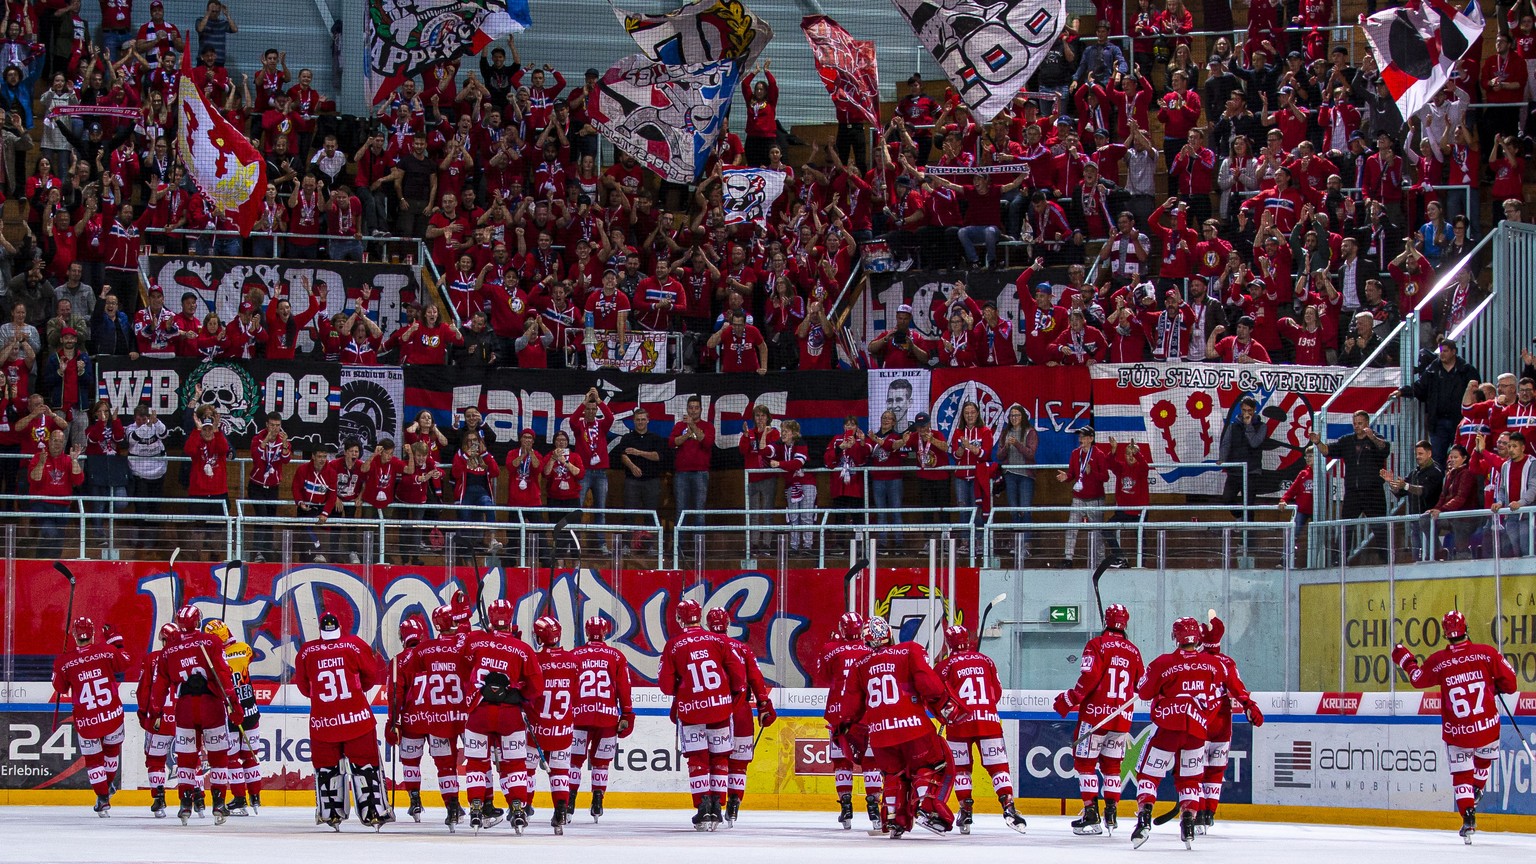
1463,706
595,684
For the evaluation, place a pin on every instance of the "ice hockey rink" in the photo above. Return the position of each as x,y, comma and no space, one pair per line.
74,834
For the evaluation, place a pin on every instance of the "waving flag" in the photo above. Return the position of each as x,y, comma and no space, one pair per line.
219,159
1417,45
988,51
846,66
667,117
404,37
701,31
749,194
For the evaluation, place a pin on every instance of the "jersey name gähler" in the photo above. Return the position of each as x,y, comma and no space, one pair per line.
83,682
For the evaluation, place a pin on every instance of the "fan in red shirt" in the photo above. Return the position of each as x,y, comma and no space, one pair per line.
86,675
1183,687
1110,668
204,700
1471,676
1080,344
893,690
601,711
743,743
705,677
971,677
335,673
1238,348
209,452
847,454
426,342
740,345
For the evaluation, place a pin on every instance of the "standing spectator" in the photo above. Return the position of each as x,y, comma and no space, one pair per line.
758,442
592,423
146,465
762,100
1087,471
1132,493
562,478
1242,442
270,451
1422,489
213,31
209,453
846,455
1363,454
791,456
901,347
311,491
1439,388
53,474
343,480
970,446
106,470
740,345
640,454
1014,454
931,454
421,483
68,376
887,458
1516,489
1458,492
524,468
693,443
1298,497
382,472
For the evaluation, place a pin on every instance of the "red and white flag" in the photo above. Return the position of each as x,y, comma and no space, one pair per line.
218,157
1416,46
847,67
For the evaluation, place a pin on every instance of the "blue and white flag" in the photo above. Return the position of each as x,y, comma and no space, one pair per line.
700,31
749,194
667,117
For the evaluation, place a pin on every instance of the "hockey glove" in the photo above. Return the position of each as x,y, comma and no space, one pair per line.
765,713
110,636
392,733
1401,656
949,712
1063,706
626,724
1255,716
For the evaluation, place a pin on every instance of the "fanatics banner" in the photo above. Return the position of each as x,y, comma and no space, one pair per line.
641,352
404,37
987,50
221,283
371,406
701,31
749,193
846,66
667,117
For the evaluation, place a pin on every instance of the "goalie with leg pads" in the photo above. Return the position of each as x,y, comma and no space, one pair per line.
335,673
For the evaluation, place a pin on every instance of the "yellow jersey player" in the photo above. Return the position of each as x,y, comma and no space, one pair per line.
244,763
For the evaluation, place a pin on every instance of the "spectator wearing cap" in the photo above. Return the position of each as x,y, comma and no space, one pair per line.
245,333
1087,472
1219,87
930,454
53,475
901,347
1439,387
154,326
1240,347
1127,251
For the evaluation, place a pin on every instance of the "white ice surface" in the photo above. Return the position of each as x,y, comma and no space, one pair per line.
289,835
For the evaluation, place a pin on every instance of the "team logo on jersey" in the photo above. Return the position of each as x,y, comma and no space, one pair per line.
946,408
367,413
228,388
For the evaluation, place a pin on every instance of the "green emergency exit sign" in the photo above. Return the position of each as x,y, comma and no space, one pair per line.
1064,614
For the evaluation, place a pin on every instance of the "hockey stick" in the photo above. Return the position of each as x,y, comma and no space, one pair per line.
239,727
987,613
1170,815
1118,712
69,617
480,592
394,750
853,572
1098,573
235,565
1518,731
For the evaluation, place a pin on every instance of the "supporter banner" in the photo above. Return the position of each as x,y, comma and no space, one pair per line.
749,194
846,66
404,37
1363,640
988,51
1044,754
372,405
244,392
667,117
120,112
786,620
542,400
701,31
1178,411
221,283
641,352
225,165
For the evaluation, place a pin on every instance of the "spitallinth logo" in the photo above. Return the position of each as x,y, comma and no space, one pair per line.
946,408
228,388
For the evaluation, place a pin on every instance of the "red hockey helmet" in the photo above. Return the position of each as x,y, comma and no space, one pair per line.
546,631
1117,617
83,629
188,618
412,631
1454,625
877,632
957,638
168,634
1210,635
442,620
688,612
500,615
850,626
597,628
718,620
1186,631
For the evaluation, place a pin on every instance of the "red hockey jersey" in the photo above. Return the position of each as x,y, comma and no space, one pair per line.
602,686
336,675
1470,677
972,677
703,675
87,676
1110,668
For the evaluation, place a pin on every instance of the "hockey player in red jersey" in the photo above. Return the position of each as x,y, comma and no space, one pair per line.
971,677
335,673
551,719
438,676
602,712
743,732
86,675
157,741
851,750
1219,741
892,691
205,697
1111,667
705,677
406,728
1470,676
505,682
1183,687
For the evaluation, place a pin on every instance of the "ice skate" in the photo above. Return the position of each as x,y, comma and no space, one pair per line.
103,806
1468,824
1187,829
845,816
455,812
237,806
1111,816
732,810
1011,816
597,805
415,810
1143,828
1088,824
517,816
184,812
964,818
157,802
